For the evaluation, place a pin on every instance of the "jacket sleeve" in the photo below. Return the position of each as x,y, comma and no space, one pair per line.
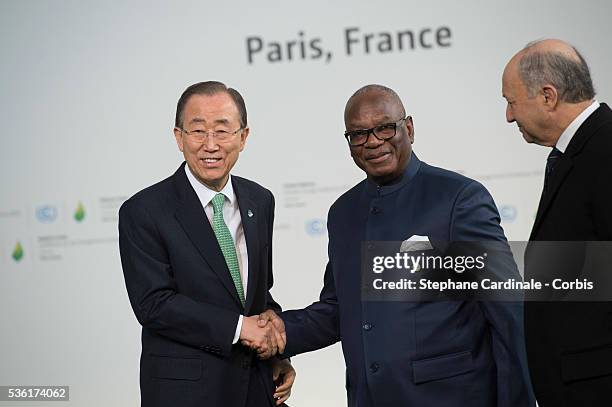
270,302
602,202
153,293
475,219
317,325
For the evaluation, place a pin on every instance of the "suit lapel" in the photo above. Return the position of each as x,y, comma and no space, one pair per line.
562,168
192,218
590,126
250,214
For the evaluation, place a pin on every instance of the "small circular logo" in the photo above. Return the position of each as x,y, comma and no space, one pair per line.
46,213
315,227
508,213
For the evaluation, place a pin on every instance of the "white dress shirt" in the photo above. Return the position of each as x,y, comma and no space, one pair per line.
233,220
569,132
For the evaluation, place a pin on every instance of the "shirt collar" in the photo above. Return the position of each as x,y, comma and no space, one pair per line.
569,132
380,190
206,194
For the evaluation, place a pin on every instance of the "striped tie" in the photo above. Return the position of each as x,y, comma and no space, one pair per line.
224,237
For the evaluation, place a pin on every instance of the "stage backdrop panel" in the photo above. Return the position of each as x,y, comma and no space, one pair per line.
88,97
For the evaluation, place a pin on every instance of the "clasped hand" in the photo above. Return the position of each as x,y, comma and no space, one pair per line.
264,333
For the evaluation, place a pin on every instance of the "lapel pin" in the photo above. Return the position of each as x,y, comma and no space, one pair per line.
250,213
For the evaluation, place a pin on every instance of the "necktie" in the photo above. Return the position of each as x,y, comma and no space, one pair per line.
224,237
551,161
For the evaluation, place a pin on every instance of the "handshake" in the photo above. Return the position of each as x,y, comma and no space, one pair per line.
264,333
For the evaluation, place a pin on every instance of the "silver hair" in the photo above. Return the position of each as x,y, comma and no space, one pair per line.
569,76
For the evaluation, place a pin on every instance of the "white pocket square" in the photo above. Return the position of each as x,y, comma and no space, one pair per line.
415,243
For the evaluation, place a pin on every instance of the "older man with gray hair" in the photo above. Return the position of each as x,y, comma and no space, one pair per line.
550,96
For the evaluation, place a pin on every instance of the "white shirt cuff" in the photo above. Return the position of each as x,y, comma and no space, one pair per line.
238,329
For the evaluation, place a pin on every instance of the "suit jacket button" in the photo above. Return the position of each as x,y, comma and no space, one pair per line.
374,367
374,210
367,326
246,365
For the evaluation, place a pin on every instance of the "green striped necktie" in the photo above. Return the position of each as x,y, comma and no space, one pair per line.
224,237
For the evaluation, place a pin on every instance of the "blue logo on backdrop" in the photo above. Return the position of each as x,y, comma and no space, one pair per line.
46,213
315,227
508,213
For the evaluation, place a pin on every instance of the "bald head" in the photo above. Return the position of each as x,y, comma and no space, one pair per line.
556,63
378,113
370,94
547,85
552,45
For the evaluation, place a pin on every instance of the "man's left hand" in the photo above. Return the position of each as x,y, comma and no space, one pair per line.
284,376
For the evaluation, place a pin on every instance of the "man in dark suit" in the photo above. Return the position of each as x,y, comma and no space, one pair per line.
550,96
408,353
196,250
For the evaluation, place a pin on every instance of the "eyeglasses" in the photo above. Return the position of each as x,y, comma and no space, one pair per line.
382,132
199,135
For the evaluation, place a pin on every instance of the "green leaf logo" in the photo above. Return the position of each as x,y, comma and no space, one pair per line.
18,252
79,214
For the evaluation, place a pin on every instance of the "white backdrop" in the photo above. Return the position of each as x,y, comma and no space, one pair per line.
87,105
